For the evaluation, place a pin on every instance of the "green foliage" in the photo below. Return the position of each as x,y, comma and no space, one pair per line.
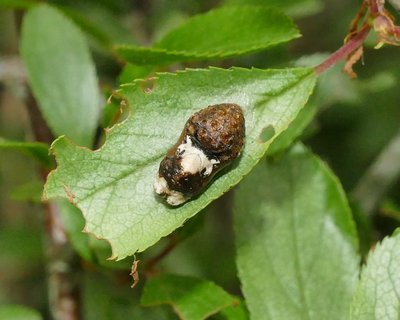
73,223
236,312
103,299
378,295
18,312
61,73
191,298
218,34
20,4
296,245
299,124
30,191
20,246
295,8
35,150
108,185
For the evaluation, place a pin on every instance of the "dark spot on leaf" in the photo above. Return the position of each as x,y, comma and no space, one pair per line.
266,134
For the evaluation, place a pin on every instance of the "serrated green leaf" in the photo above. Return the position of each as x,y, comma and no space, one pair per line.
296,240
35,150
61,73
191,298
18,312
378,292
294,8
221,33
113,186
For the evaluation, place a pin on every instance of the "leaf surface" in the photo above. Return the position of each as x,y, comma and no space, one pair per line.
191,298
296,240
61,73
294,8
235,312
113,186
378,292
221,33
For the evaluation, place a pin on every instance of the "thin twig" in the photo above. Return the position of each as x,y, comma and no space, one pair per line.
167,249
62,266
379,177
342,53
11,69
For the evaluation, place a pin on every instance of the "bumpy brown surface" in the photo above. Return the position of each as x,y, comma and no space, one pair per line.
218,130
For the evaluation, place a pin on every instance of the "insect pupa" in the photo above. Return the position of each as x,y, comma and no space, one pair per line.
211,139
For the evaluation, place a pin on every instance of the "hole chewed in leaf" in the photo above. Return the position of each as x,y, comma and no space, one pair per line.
266,134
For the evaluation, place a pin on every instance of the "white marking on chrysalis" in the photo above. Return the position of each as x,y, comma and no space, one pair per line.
194,160
160,185
174,198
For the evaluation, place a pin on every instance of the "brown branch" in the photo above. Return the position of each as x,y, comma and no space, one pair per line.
62,262
62,267
167,249
372,14
39,127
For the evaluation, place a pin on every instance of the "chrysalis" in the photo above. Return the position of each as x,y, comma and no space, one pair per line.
211,139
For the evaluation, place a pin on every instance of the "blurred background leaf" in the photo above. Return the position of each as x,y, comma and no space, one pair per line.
297,246
218,34
191,298
36,150
18,312
61,73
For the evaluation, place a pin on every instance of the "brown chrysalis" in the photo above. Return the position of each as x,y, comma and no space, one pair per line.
211,139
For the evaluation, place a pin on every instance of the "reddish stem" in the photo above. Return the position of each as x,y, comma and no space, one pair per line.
350,46
168,248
